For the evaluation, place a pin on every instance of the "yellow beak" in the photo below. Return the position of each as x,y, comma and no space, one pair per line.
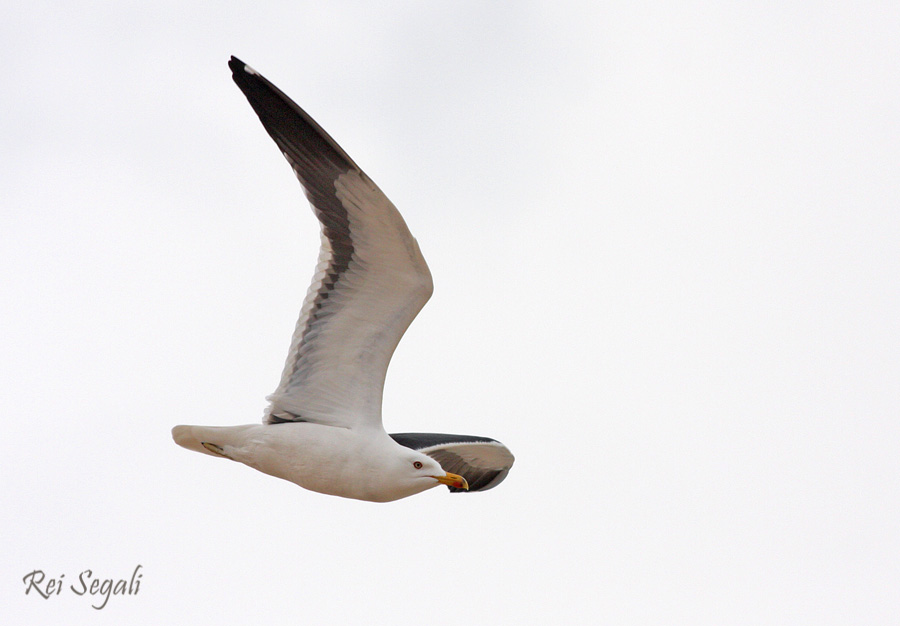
453,480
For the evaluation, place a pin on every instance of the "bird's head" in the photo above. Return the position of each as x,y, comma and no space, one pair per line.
415,472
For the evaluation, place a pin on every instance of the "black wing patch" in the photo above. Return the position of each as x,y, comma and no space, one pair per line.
482,461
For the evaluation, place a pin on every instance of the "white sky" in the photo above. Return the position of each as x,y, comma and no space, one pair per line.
665,250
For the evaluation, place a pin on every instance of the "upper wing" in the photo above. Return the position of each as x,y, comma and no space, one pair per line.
370,282
483,462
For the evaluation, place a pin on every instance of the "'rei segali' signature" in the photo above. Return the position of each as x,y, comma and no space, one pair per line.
87,584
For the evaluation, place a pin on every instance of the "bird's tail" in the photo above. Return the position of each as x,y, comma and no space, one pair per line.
211,440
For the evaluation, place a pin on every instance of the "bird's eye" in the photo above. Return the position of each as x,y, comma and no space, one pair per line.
417,464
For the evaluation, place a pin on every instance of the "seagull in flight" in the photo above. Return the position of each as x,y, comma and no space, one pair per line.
322,429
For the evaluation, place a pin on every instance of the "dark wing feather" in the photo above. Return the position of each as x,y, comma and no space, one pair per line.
482,461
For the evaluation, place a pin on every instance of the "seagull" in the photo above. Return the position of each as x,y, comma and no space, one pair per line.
322,429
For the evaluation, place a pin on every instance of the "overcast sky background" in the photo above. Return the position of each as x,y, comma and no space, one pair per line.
664,242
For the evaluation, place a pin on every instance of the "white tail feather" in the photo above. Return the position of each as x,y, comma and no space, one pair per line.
193,437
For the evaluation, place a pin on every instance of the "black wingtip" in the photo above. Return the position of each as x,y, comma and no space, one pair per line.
236,64
284,119
240,70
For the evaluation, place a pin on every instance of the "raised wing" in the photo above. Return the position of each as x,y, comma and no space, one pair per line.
370,282
483,462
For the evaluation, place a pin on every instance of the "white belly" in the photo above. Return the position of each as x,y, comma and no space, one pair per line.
325,459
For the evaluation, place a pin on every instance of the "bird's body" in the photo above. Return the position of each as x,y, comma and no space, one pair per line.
323,428
331,460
